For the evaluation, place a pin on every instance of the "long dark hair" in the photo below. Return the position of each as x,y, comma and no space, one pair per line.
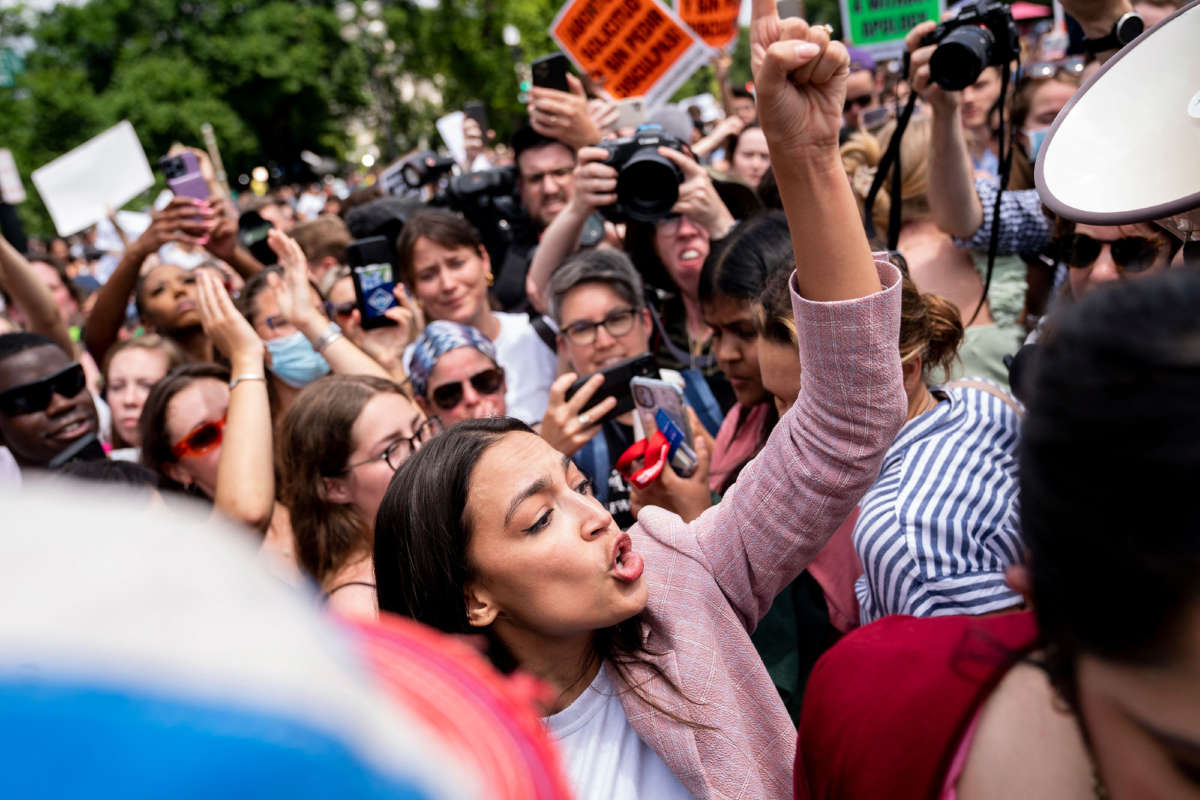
422,532
738,271
1116,386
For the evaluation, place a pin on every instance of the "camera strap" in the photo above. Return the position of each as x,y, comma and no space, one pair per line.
1005,157
890,162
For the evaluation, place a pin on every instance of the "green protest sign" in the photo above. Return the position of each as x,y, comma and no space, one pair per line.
880,25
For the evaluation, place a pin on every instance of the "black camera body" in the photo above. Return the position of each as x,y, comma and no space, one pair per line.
982,35
425,168
647,183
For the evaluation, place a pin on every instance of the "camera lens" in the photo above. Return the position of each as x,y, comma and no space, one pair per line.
648,186
961,56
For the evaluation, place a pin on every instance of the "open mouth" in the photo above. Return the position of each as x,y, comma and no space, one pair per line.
71,430
627,565
691,254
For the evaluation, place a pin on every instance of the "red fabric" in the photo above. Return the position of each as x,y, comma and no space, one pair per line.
885,709
835,569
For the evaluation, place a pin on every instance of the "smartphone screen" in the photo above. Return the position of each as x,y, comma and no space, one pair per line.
478,112
550,72
184,176
374,280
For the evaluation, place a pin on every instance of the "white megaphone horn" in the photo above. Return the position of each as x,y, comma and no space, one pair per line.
1126,148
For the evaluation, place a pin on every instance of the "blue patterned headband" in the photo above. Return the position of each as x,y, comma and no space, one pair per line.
439,338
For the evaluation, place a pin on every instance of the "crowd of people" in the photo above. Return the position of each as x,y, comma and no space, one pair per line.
891,571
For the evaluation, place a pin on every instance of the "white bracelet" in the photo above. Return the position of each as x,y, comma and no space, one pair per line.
247,377
331,335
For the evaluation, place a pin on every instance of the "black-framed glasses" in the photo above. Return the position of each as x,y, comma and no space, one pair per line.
617,323
398,451
1131,253
449,395
32,397
862,101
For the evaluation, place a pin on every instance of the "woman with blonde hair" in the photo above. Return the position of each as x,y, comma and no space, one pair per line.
131,369
935,263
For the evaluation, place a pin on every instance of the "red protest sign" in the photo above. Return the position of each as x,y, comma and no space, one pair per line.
714,21
630,48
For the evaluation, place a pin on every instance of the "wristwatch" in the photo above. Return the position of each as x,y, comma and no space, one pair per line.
1127,28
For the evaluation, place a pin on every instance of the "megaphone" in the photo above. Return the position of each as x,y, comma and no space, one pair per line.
1126,148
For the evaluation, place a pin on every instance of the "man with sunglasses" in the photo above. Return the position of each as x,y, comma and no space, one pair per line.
45,407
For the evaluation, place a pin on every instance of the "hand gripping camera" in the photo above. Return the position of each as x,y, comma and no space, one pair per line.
982,35
647,183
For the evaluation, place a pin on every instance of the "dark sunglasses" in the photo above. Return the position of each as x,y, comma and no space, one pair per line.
1131,253
32,397
862,101
202,439
449,395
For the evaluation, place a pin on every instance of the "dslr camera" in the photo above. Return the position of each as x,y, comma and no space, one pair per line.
647,183
982,35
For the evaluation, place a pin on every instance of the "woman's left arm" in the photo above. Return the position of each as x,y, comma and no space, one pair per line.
826,451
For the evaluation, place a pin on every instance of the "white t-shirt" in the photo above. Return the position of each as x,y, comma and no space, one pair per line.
529,367
604,757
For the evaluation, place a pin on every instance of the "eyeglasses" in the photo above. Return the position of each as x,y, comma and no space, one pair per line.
617,323
398,451
202,439
32,397
862,101
1131,253
449,395
1070,68
669,224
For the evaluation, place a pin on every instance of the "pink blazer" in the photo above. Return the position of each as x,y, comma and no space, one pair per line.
712,581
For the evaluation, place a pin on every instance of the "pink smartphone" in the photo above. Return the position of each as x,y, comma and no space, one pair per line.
184,176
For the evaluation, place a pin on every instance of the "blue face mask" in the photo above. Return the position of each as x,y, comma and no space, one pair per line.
1036,137
294,361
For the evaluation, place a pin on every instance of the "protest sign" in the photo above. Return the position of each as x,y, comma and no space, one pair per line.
630,48
11,189
104,173
710,109
714,21
450,127
879,26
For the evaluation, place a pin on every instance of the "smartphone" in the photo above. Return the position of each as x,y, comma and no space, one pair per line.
550,72
476,110
616,383
631,112
183,175
660,407
371,269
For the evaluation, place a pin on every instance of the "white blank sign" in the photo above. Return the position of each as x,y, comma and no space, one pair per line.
103,173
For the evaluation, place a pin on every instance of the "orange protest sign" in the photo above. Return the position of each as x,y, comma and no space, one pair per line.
714,21
630,48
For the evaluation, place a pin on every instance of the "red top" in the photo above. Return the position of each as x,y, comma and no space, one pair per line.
885,709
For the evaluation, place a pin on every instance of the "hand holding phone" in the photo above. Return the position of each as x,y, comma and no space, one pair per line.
660,407
616,383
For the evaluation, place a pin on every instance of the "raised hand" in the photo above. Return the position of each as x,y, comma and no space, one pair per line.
563,115
297,301
595,181
184,219
566,426
922,81
688,497
698,198
228,330
800,79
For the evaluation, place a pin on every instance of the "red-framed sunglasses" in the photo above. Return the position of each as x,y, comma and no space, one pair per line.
200,440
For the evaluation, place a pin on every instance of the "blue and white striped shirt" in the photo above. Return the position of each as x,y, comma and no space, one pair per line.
939,526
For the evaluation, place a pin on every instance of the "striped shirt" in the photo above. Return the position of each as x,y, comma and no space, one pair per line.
939,526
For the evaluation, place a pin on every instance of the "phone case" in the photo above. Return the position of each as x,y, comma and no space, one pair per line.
652,397
184,176
374,280
550,72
